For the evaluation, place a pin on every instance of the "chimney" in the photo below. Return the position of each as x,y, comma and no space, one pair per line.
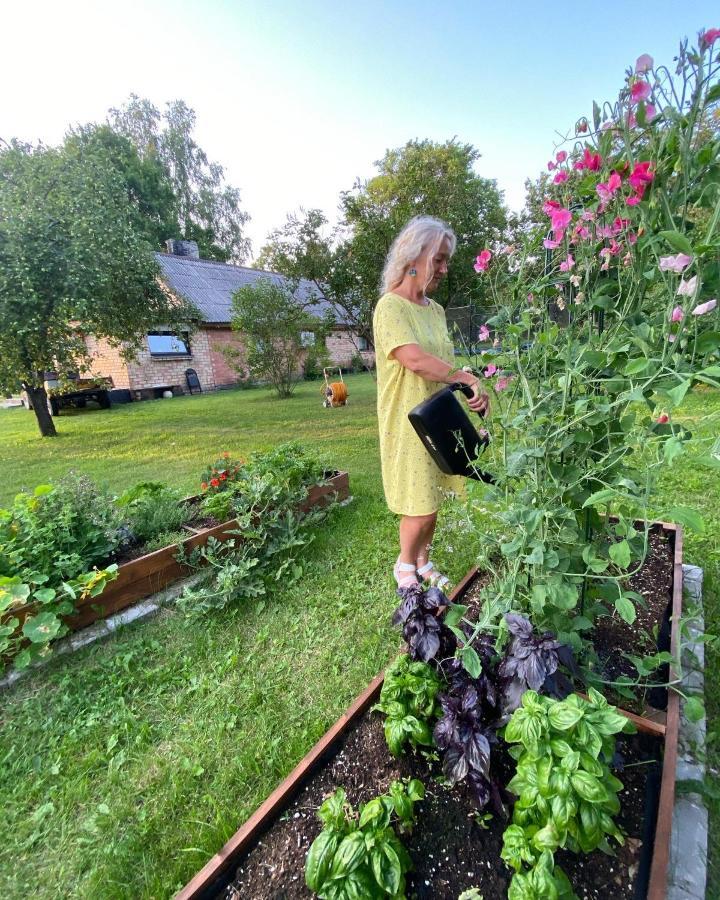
183,248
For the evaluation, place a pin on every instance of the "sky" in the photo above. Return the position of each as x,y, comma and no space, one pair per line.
298,100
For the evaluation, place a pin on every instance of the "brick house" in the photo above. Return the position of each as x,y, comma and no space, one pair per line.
164,359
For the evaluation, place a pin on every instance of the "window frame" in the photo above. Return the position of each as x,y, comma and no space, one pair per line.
185,353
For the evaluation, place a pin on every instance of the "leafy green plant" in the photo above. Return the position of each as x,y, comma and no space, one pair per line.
220,476
606,319
408,699
359,854
59,531
270,532
151,509
567,796
43,623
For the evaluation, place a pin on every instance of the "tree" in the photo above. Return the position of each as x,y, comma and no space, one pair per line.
207,209
272,319
421,178
147,181
71,264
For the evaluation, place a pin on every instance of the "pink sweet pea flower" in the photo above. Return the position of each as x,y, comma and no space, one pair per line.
619,224
604,231
502,382
582,232
614,182
688,289
672,338
588,215
704,308
677,314
615,248
551,166
639,91
560,219
708,38
675,263
561,177
549,207
567,264
490,370
561,156
484,333
483,261
549,244
605,255
633,201
641,176
650,112
643,64
631,119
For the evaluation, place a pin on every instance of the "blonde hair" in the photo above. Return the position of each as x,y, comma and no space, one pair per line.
422,233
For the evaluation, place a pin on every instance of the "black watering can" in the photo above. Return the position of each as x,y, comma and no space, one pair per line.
448,435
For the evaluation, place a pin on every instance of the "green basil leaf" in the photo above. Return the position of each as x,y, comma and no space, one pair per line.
319,858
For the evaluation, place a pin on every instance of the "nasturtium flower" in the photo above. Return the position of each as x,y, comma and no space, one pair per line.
203,486
704,308
643,64
674,263
215,482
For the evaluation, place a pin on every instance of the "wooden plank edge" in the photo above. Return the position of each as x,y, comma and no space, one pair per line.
657,887
281,797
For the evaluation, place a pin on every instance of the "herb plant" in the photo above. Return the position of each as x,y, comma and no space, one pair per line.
359,854
567,796
408,699
151,509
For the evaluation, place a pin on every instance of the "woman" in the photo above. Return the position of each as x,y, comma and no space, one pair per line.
414,356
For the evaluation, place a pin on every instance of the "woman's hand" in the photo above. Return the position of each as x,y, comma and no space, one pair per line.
480,401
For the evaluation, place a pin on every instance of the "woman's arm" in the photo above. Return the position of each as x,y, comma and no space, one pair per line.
432,368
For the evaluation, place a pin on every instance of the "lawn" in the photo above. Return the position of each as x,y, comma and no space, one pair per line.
126,765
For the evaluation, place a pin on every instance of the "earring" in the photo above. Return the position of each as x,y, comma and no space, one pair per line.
412,272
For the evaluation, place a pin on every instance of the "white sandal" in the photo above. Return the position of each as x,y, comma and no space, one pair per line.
436,579
407,580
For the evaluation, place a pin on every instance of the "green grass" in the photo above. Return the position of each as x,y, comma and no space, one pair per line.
125,766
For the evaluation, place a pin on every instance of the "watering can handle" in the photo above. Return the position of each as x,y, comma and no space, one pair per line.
467,390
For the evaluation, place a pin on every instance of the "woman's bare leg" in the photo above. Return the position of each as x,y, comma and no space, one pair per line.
416,533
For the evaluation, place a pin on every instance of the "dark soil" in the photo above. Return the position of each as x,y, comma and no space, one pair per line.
613,637
451,851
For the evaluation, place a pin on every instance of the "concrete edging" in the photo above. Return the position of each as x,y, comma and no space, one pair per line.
687,874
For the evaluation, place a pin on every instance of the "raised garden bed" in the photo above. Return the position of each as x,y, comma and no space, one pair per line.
265,857
141,577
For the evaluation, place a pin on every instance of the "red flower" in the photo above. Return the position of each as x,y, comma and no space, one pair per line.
708,38
663,419
223,476
214,482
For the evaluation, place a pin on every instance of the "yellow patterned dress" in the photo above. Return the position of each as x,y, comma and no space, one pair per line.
414,485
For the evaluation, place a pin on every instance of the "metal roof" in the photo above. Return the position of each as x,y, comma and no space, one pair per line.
210,285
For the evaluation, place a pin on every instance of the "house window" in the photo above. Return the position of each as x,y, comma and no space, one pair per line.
167,343
362,343
307,338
